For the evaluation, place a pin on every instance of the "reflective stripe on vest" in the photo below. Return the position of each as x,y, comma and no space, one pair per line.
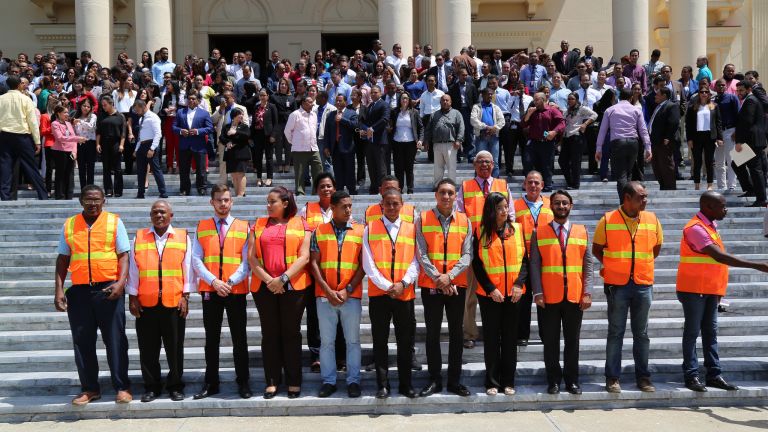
374,212
339,264
93,257
444,252
222,262
562,269
626,257
502,259
160,277
392,257
294,237
474,199
697,272
525,218
314,215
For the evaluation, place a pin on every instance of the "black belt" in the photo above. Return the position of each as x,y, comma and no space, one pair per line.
146,141
617,140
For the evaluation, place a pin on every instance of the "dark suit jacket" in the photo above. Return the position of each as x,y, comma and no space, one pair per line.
715,123
666,124
255,69
377,118
347,126
202,122
270,120
750,124
570,63
455,93
597,62
447,70
417,127
494,68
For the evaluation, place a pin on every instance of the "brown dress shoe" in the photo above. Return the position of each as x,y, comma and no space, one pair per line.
85,397
123,396
645,385
612,385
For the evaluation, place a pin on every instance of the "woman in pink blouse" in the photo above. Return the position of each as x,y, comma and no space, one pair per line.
64,151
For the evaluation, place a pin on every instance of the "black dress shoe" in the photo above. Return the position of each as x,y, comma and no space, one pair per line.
747,195
118,195
244,390
201,192
177,396
294,394
353,390
409,392
382,393
431,389
415,365
163,196
758,204
460,390
721,383
573,389
553,389
149,396
183,193
270,394
208,390
140,196
109,194
694,384
326,390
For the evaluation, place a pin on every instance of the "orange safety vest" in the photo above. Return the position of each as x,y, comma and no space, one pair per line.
294,237
93,257
222,261
444,252
314,215
562,271
339,263
392,257
524,216
160,276
374,212
502,260
697,272
474,199
625,257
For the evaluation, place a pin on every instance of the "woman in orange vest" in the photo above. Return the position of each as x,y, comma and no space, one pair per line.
501,268
278,253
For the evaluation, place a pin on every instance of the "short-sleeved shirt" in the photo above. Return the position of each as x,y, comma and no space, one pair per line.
111,127
273,247
697,237
340,231
122,244
600,237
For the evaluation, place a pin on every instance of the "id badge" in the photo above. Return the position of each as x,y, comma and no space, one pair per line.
206,296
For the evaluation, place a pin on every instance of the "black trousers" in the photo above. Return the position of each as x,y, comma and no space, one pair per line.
50,166
703,148
524,315
280,316
383,310
663,164
751,176
623,159
404,154
110,161
541,156
505,137
313,326
500,341
86,162
570,159
375,156
590,136
569,315
89,310
344,169
142,161
361,146
65,171
19,148
185,165
261,148
158,326
434,304
213,316
430,151
516,141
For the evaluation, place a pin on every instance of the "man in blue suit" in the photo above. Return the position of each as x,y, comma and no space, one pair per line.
193,124
375,126
338,144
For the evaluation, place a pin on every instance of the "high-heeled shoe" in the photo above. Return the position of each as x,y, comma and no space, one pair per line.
294,394
270,394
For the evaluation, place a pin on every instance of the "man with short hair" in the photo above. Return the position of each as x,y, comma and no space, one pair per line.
193,125
487,121
532,73
750,131
464,95
664,131
374,126
338,86
301,132
246,75
731,82
729,112
146,153
162,66
514,136
636,72
653,66
444,133
396,58
338,143
597,62
545,124
565,59
702,63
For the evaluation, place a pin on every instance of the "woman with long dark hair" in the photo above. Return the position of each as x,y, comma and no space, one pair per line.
234,137
284,102
704,130
500,267
263,132
85,126
64,151
407,134
168,108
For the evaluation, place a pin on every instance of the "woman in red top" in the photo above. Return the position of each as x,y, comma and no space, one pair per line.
79,93
277,286
46,136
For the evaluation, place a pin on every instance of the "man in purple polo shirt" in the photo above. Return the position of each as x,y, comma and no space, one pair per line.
636,72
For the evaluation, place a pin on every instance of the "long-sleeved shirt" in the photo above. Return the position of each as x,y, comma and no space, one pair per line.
132,286
64,137
481,181
484,116
423,252
637,74
343,88
704,72
574,122
531,75
203,273
430,102
151,129
729,109
535,262
369,264
445,127
547,119
514,108
560,97
624,121
86,127
17,115
160,68
301,130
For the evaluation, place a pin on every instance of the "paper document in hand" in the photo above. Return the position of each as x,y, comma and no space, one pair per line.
742,157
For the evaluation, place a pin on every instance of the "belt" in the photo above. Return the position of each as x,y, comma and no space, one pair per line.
625,140
146,141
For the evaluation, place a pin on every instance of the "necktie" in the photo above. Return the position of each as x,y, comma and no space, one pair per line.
485,188
338,130
222,231
562,238
493,97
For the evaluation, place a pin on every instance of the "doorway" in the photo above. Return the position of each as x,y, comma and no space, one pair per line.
347,43
230,44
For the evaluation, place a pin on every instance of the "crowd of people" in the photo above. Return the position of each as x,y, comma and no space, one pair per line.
369,114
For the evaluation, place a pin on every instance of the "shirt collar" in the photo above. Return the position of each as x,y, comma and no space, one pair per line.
348,225
481,180
537,202
228,219
712,224
625,216
388,224
566,225
168,233
440,215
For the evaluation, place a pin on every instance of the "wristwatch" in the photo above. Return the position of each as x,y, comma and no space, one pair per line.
284,278
350,289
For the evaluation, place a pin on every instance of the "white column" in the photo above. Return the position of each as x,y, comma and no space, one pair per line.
427,23
93,23
454,25
396,25
687,33
630,28
184,42
153,25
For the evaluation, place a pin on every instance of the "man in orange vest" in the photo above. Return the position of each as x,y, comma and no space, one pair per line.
336,253
444,241
94,248
158,287
626,242
561,279
389,260
702,279
470,200
220,261
531,211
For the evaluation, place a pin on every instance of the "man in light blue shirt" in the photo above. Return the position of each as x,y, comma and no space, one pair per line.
559,93
337,86
532,73
161,67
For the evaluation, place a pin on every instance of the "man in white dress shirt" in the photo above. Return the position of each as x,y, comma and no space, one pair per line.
146,154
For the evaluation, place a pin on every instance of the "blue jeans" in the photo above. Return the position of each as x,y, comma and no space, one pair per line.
328,317
700,313
635,299
490,144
